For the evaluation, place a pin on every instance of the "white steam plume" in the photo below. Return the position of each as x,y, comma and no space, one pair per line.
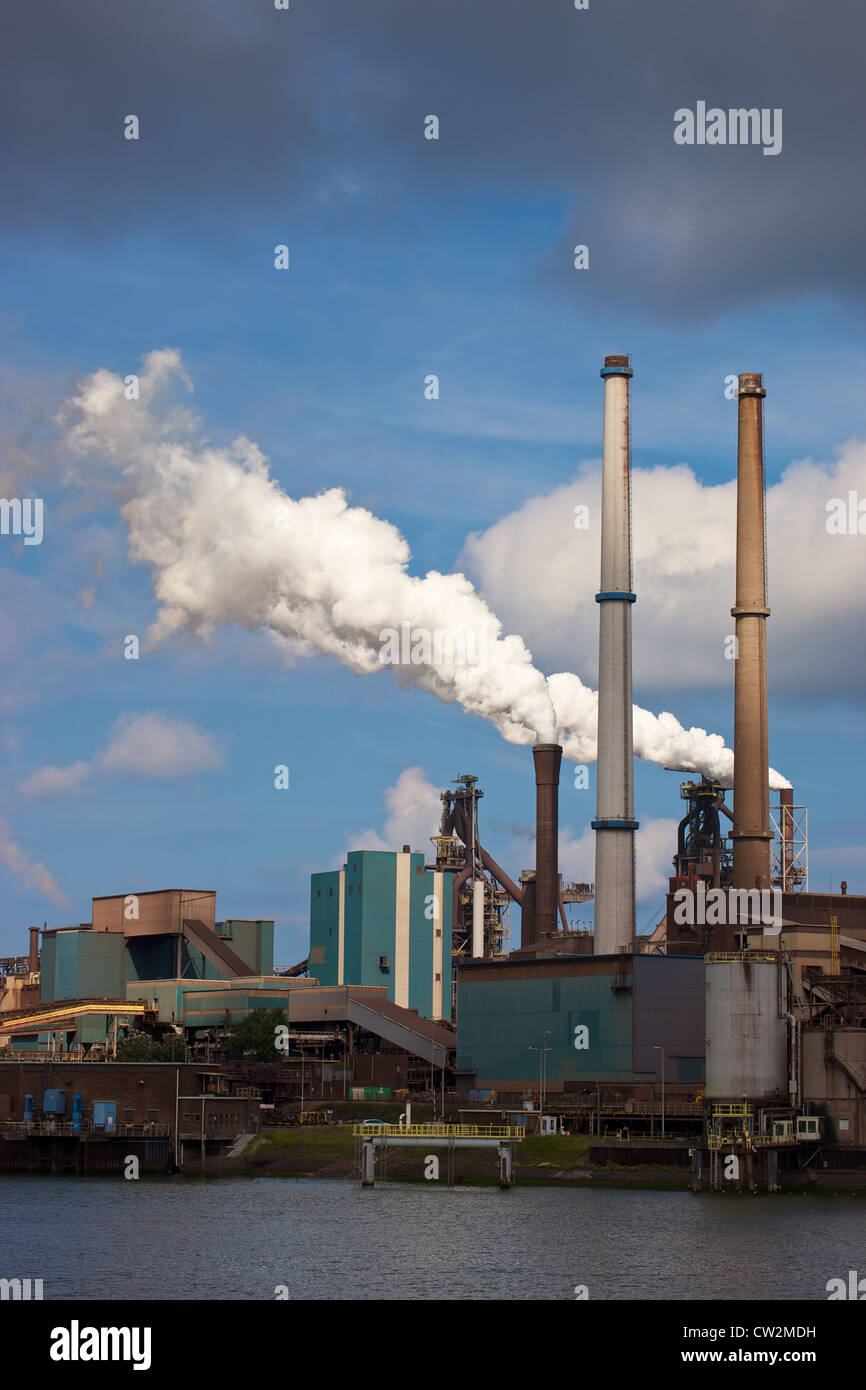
225,544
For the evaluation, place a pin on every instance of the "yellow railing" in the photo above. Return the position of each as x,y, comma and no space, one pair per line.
435,1131
728,1110
718,1141
721,957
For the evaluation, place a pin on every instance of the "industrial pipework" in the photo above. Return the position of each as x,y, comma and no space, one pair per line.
615,824
751,833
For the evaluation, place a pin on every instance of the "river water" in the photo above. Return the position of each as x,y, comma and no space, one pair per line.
241,1238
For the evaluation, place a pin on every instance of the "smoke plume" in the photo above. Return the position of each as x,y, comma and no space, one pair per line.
224,543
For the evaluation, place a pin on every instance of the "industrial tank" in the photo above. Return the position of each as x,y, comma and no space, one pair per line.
747,1040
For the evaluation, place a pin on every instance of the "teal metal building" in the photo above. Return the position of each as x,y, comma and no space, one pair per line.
384,919
603,1018
80,963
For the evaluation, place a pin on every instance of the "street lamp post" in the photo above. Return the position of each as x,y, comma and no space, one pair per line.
542,1069
662,1051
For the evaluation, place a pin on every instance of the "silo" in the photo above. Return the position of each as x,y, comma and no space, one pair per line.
747,1030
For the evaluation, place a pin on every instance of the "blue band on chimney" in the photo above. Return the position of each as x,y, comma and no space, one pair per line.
616,593
616,371
615,824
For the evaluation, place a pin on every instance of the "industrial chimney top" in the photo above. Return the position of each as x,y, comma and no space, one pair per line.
750,384
616,366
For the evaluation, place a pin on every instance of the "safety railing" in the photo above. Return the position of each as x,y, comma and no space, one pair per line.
721,957
42,1128
434,1131
719,1141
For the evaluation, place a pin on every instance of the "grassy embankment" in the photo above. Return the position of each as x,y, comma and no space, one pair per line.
330,1151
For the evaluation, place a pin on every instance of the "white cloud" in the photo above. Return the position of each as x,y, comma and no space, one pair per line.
55,781
154,746
655,843
32,873
10,740
414,809
541,575
224,544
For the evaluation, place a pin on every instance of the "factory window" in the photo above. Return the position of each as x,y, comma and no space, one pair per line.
354,868
350,891
318,892
359,890
438,931
153,1116
129,1117
419,868
330,892
438,976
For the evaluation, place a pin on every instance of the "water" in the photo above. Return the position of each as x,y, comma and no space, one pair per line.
181,1238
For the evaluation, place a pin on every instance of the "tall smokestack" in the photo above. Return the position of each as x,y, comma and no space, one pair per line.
33,954
547,758
751,832
615,824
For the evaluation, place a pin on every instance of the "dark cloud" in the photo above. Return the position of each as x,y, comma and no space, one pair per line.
251,115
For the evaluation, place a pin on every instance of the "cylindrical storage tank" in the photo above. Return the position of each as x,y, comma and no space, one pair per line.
747,1041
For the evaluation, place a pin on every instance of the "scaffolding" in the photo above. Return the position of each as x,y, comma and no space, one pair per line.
790,849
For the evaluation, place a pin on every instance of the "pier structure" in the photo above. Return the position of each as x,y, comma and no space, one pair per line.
453,1137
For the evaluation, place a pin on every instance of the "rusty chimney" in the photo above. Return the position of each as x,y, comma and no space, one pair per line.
786,832
33,957
547,758
751,831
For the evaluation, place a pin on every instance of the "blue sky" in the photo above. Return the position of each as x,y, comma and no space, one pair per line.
407,257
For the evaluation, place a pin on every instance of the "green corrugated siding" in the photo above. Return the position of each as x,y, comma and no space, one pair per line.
370,919
420,939
369,930
94,1028
47,968
324,925
151,958
499,1021
86,965
253,942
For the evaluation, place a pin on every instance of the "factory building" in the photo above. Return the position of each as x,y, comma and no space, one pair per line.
120,959
384,920
161,963
151,936
625,1018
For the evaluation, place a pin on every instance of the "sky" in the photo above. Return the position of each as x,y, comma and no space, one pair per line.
285,484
